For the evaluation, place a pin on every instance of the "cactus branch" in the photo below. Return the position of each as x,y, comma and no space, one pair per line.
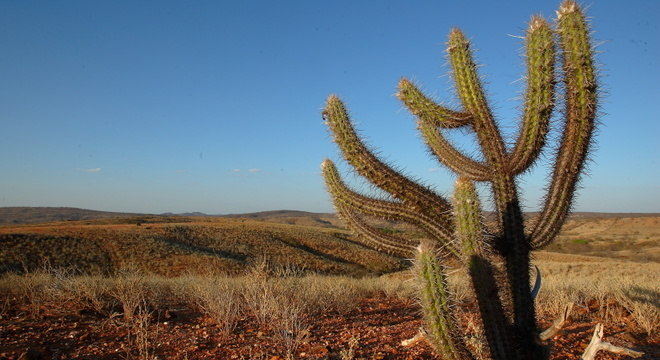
472,96
432,118
372,237
539,95
581,93
512,243
385,209
437,304
537,283
377,172
470,234
422,106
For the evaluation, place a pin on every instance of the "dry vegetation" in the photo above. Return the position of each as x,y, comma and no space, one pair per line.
207,288
629,238
195,245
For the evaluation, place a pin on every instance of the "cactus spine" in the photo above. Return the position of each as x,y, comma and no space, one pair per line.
505,303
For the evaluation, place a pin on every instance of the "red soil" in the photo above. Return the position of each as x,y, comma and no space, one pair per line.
379,325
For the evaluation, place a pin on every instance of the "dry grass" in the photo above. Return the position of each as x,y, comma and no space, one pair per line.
219,297
284,302
284,299
610,289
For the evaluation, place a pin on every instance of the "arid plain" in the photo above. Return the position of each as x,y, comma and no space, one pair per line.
282,284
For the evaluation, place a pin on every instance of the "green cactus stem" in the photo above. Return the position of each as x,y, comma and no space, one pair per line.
581,98
539,95
437,304
431,117
469,232
368,165
388,210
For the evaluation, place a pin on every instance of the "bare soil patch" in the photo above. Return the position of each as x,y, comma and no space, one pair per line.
374,330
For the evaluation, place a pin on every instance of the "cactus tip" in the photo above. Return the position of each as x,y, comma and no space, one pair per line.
403,83
567,7
332,98
456,38
536,22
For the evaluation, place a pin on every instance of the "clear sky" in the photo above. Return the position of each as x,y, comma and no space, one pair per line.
214,106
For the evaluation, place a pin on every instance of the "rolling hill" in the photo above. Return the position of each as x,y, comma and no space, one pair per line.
176,245
104,242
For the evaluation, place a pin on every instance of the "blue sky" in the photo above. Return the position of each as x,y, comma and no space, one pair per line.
214,106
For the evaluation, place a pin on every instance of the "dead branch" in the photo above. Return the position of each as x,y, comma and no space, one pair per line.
597,344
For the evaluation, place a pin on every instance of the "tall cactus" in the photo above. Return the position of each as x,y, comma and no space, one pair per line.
505,303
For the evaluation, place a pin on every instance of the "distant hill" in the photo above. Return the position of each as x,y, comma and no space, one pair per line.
293,217
35,215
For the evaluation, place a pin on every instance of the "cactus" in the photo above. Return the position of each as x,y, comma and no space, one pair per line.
455,229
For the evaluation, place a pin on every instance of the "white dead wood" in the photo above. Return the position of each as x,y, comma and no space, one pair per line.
558,324
598,344
421,335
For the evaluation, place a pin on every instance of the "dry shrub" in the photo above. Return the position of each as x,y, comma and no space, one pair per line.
141,338
397,287
219,298
91,293
4,306
616,288
78,292
474,335
324,294
29,288
643,302
275,298
290,324
130,289
556,292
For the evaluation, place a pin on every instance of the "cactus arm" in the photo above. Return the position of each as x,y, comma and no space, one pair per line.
385,209
374,238
581,103
469,233
539,95
448,155
437,305
471,93
432,117
378,173
467,214
422,106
